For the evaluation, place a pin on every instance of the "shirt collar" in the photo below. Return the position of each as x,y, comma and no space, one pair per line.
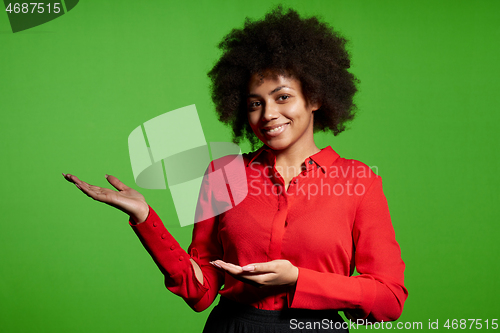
324,158
259,152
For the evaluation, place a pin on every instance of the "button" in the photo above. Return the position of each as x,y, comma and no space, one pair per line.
295,181
286,223
154,224
163,236
311,162
181,258
172,247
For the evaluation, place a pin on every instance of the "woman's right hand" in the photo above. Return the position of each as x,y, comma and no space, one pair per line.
125,199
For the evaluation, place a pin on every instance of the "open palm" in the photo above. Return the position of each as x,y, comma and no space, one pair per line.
125,199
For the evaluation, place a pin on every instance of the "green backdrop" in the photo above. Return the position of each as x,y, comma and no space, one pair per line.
73,89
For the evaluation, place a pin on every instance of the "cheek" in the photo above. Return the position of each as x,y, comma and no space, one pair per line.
297,113
253,120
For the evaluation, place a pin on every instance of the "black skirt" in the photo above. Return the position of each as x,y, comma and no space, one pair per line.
233,317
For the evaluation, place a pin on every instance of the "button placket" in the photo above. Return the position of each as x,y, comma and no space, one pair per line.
309,165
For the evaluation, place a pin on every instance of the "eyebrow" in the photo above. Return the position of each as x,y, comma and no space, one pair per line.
272,92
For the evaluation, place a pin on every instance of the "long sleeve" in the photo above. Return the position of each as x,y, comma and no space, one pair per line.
378,292
206,245
332,218
175,263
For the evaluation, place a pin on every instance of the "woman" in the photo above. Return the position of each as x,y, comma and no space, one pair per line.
287,252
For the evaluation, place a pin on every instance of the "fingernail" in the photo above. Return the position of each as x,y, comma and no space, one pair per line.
215,264
248,268
78,186
107,176
63,174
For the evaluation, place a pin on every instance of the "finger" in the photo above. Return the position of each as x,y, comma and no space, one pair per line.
80,183
96,192
226,266
116,183
67,176
238,274
230,268
74,179
84,187
262,267
248,268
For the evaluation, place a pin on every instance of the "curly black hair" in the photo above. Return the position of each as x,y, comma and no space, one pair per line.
284,43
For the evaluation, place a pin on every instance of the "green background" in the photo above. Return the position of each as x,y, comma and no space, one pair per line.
73,89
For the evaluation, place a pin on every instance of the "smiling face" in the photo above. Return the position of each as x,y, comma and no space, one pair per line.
279,114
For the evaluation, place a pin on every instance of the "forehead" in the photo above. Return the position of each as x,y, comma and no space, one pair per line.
269,80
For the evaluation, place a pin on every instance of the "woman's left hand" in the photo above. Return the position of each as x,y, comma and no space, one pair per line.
272,273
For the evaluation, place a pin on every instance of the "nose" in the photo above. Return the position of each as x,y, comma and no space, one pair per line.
270,112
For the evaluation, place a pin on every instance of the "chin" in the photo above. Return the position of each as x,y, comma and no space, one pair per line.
276,145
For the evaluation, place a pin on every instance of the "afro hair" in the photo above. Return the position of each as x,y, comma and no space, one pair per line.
286,44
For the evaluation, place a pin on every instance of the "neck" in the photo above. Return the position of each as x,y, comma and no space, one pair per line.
295,156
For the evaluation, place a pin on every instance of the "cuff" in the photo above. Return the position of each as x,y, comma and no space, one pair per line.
161,245
322,291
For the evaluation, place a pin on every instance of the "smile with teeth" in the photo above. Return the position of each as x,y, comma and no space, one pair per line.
275,131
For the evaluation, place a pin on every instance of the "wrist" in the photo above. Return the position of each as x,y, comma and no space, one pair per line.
295,276
140,216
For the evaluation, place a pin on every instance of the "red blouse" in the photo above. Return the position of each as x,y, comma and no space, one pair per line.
332,218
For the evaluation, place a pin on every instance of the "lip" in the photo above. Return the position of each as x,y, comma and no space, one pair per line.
277,129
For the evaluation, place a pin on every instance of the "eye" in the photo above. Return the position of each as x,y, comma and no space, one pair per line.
283,97
253,105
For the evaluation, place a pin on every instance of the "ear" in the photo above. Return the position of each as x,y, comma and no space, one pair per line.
315,106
